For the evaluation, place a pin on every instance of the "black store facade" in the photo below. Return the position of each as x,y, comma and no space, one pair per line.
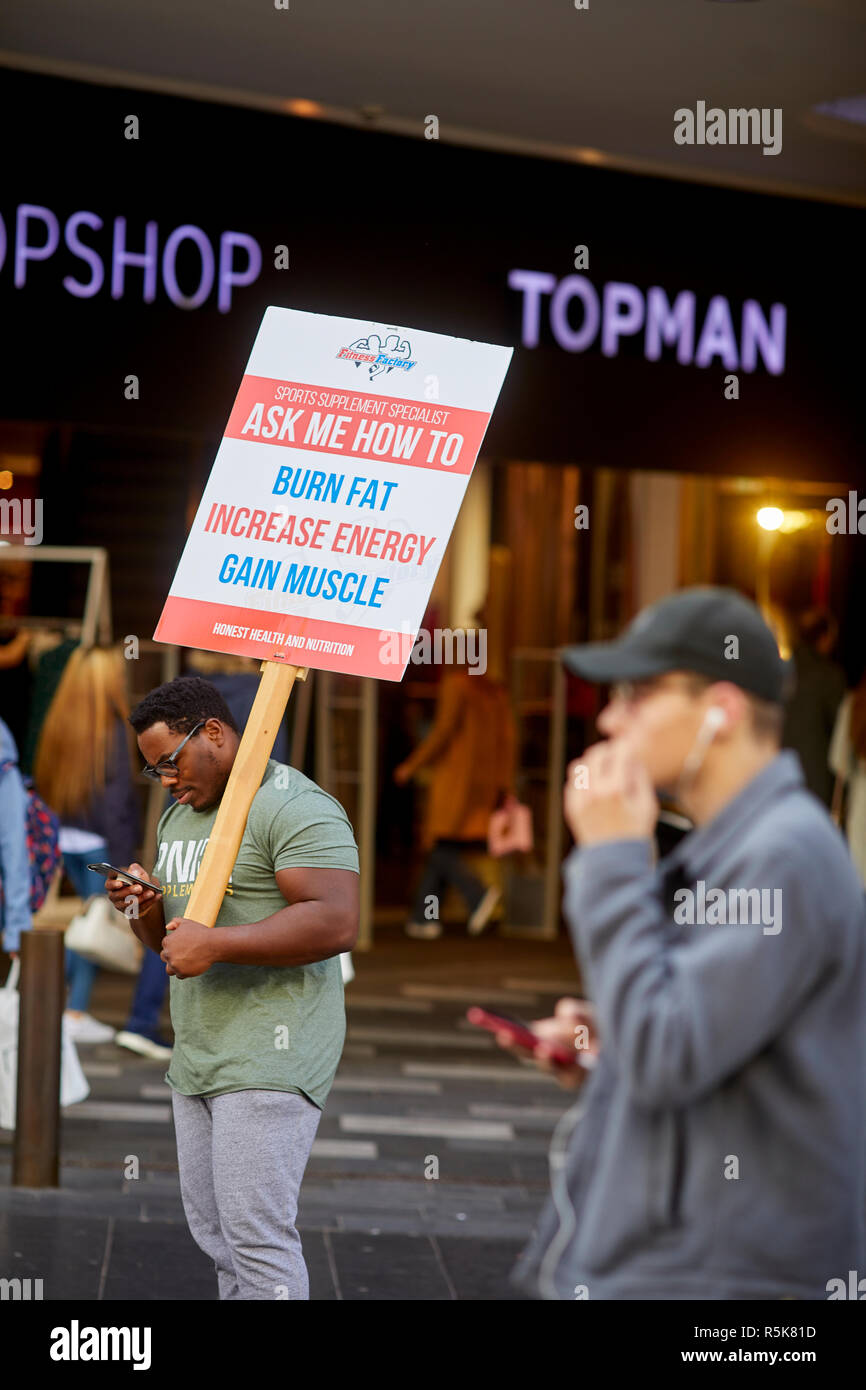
155,257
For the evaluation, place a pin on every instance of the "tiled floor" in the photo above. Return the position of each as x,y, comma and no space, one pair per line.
375,1223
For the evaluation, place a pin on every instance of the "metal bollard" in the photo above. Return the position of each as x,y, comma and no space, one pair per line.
36,1150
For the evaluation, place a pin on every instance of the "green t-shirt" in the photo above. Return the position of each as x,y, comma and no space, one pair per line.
241,1027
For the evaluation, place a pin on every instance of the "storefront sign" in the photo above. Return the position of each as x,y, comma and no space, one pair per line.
126,262
580,318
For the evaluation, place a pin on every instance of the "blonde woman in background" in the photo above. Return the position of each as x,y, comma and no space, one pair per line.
83,770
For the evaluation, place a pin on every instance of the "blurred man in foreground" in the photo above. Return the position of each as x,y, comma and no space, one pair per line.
718,1150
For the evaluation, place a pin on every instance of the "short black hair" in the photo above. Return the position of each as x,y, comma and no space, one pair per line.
181,704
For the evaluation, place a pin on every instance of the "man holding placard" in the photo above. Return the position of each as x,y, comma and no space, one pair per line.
257,1002
316,543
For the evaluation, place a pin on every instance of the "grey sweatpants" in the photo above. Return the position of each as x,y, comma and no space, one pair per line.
242,1157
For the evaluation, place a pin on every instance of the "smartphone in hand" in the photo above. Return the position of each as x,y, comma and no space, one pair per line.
109,871
523,1035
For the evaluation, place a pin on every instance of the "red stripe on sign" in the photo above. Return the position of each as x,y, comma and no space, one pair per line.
326,646
355,424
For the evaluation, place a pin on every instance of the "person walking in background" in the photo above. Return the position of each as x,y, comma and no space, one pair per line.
848,761
720,1148
471,747
16,680
819,686
141,1031
14,856
82,769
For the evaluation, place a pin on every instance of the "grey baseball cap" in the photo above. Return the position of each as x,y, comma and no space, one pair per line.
691,631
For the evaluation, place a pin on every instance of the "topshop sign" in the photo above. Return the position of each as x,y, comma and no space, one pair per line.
131,265
579,316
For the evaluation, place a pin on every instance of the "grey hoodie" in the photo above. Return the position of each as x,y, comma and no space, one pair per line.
718,1150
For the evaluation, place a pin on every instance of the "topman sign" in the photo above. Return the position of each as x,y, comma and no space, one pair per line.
580,317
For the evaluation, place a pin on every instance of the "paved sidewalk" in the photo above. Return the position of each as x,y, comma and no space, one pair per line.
418,1088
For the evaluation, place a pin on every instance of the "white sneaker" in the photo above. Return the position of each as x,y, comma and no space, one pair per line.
424,931
484,911
85,1029
145,1047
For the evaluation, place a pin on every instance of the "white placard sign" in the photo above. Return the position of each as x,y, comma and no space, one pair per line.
333,493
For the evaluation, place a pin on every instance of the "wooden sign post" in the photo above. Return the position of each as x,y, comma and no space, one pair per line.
245,778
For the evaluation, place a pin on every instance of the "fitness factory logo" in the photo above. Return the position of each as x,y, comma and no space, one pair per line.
379,356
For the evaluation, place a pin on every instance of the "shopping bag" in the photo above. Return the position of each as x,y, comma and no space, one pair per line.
103,935
9,1046
73,1083
510,829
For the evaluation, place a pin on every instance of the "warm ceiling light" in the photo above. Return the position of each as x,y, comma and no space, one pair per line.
770,518
299,106
796,521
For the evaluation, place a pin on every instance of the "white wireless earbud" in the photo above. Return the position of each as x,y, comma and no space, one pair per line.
714,719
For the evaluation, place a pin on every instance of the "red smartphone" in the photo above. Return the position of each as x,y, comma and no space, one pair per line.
523,1036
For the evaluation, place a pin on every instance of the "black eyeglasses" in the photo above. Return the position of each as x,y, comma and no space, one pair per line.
633,692
167,767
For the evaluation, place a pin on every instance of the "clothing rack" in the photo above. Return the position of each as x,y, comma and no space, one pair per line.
96,619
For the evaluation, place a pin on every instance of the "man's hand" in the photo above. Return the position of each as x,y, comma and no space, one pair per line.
608,796
188,948
119,892
572,1026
